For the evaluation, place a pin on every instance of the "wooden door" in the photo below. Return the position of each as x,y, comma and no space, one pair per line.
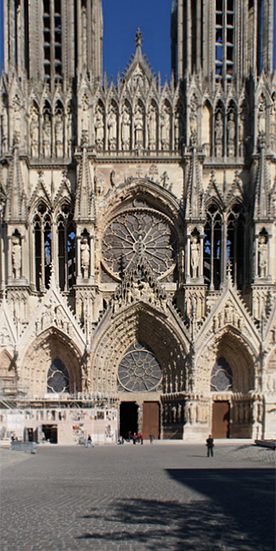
221,417
151,419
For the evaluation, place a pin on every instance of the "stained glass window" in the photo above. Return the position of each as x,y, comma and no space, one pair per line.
222,377
139,371
58,378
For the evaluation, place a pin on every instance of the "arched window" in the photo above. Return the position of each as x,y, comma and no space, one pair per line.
213,247
42,246
66,248
139,371
222,376
57,378
236,252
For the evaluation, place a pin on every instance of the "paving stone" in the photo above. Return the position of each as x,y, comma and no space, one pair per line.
123,498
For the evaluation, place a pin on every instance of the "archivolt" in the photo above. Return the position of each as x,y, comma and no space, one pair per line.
146,325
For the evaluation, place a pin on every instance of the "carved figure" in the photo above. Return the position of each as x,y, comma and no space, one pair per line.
152,128
165,128
16,257
195,256
112,129
219,134
262,254
47,136
34,135
139,126
231,135
99,129
85,258
59,135
125,129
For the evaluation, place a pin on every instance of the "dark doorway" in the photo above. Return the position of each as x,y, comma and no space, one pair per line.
221,418
128,418
51,433
151,419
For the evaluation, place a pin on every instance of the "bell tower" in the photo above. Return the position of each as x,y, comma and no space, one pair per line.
53,40
224,40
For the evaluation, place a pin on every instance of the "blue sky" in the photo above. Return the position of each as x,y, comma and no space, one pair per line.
121,20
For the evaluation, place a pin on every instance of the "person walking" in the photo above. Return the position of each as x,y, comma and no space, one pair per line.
210,446
141,438
89,441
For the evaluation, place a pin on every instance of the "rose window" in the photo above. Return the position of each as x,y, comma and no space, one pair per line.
144,233
58,378
222,377
139,370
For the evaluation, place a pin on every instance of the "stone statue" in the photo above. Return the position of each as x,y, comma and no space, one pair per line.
231,135
126,129
165,129
139,126
99,129
195,256
112,129
47,136
152,128
262,256
219,135
34,135
59,136
16,257
85,258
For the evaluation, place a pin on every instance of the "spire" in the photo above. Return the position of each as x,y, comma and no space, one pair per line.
261,207
85,201
194,197
139,41
16,197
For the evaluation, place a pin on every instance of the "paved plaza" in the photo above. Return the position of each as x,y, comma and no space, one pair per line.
138,498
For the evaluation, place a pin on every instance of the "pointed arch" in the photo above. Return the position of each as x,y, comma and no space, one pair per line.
145,325
206,125
41,354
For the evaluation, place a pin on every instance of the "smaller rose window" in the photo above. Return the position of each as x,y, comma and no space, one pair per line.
139,370
222,377
58,378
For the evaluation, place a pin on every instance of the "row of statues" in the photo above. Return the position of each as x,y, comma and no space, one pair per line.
135,130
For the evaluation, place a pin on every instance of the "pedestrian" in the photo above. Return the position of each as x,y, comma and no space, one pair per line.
151,437
134,437
129,436
210,446
141,438
89,441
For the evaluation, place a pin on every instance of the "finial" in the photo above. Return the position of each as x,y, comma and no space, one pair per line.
139,39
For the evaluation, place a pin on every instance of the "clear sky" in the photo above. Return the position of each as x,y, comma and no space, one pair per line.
121,20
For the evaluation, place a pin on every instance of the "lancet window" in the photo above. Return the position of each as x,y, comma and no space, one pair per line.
224,54
212,247
236,239
42,246
52,30
66,249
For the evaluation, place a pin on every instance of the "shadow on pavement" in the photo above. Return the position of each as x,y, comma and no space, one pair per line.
236,512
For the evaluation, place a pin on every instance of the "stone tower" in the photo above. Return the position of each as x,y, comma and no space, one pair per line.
138,235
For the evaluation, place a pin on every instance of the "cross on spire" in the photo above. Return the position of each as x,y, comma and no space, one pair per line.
139,39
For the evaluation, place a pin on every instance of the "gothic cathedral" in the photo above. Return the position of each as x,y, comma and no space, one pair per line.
138,226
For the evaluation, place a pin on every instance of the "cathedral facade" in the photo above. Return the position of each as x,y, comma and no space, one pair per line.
138,226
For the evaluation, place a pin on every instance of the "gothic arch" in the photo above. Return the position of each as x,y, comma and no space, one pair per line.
138,322
40,354
238,352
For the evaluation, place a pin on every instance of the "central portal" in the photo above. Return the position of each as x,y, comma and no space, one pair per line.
128,418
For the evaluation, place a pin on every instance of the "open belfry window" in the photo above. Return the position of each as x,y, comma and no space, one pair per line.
52,30
224,55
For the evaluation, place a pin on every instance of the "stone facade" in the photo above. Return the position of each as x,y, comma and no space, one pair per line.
138,220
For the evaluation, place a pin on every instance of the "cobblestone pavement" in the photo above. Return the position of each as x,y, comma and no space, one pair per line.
138,498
